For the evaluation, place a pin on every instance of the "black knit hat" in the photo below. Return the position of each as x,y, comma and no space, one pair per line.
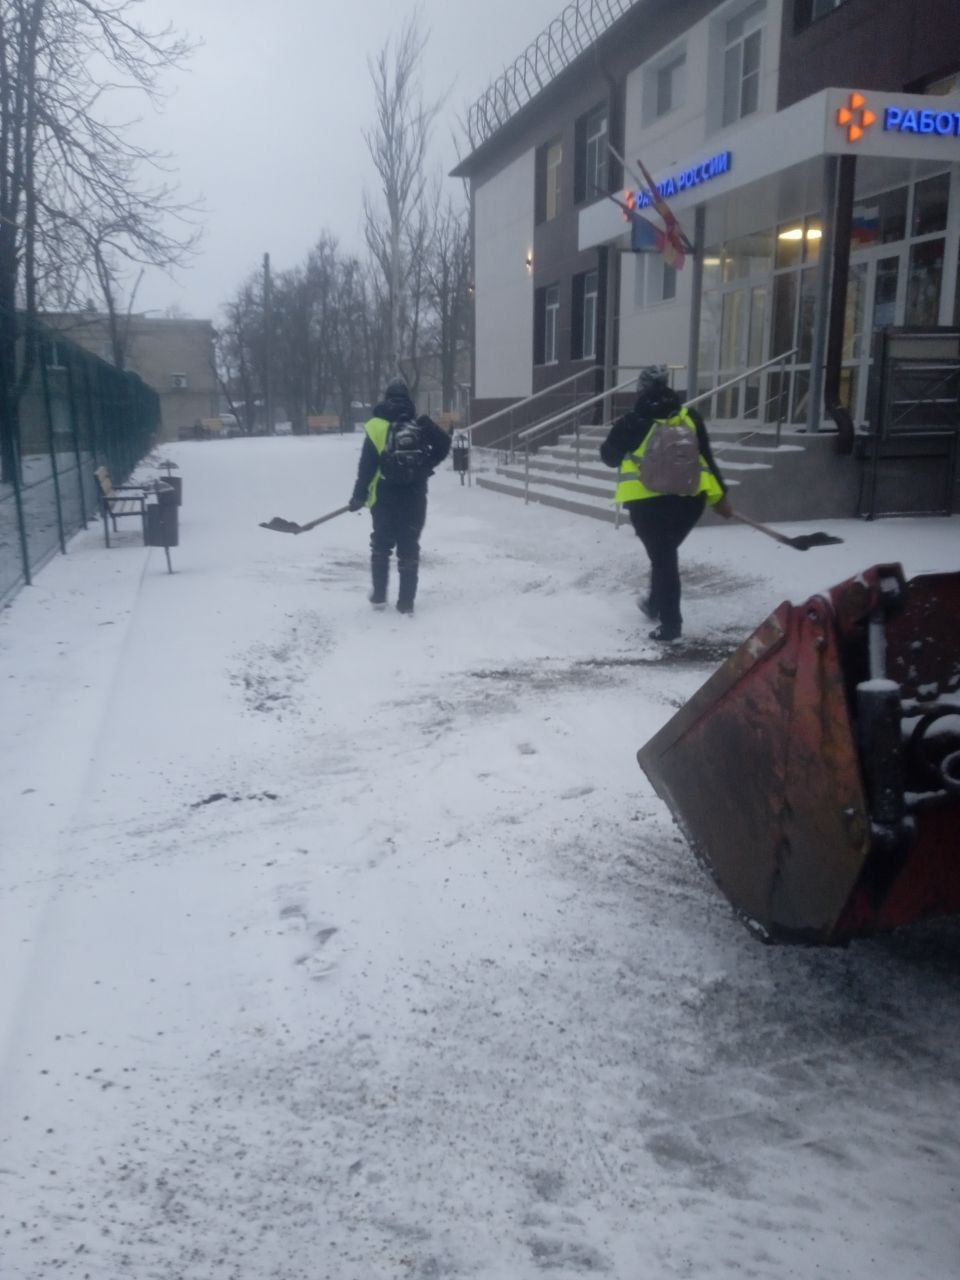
396,389
653,378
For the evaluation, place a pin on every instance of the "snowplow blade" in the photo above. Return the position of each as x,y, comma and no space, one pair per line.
817,772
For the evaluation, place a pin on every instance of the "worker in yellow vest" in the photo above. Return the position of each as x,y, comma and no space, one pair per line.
398,457
667,476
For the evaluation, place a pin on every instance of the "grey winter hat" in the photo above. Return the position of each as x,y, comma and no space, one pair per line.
653,378
395,388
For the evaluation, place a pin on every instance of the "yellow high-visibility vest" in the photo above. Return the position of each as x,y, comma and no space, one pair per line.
630,488
376,430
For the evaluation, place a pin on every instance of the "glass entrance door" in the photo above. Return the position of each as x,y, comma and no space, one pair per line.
876,297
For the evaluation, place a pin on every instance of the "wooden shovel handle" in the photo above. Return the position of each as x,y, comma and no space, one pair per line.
755,524
322,519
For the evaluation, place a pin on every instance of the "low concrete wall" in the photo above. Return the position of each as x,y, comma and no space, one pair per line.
808,480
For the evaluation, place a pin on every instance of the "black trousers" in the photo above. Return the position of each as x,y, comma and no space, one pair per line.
661,524
398,519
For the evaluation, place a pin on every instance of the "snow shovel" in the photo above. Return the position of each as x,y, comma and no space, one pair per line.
802,543
279,525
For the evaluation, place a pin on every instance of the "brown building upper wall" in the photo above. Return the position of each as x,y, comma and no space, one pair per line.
869,44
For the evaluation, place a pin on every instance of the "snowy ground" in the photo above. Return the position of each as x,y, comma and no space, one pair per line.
341,946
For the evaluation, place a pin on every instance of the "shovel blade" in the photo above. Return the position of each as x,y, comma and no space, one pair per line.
279,525
807,540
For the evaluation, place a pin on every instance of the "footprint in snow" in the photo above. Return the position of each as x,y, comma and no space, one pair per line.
315,956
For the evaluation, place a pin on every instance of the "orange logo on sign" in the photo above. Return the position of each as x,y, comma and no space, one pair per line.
856,117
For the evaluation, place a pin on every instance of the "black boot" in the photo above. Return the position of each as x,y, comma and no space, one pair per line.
379,574
408,587
665,633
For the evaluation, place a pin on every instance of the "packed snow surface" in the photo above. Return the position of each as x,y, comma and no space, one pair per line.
337,945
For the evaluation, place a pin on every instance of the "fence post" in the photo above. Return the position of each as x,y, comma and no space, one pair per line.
48,413
75,432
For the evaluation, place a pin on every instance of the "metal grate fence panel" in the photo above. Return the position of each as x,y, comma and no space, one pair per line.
76,414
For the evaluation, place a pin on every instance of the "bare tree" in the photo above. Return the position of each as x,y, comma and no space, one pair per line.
448,290
398,147
241,351
71,179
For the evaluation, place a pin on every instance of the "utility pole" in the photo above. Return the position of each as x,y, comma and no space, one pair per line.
267,341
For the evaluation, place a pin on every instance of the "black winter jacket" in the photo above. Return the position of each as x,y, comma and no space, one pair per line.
629,432
397,410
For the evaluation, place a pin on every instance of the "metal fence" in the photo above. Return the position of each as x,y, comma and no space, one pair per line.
77,413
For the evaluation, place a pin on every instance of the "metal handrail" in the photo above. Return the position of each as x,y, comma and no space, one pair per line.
537,395
742,377
541,427
548,423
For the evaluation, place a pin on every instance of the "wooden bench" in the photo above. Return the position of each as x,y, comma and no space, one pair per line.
320,423
119,501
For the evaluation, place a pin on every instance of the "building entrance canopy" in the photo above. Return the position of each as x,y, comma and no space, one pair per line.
834,122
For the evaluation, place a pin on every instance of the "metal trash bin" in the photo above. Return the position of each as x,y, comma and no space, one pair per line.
175,482
162,522
460,452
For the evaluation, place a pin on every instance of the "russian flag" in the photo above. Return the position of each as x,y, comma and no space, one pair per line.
644,236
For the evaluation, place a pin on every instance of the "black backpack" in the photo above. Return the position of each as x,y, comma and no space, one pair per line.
406,457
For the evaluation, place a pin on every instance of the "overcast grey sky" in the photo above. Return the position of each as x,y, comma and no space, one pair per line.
265,122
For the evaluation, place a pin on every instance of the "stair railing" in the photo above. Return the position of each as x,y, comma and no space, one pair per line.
510,437
532,434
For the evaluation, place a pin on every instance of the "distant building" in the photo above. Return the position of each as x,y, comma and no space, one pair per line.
174,356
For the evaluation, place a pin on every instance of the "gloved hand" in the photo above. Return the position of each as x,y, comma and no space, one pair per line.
723,508
355,503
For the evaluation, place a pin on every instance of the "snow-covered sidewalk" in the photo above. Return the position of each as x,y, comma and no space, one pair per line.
336,945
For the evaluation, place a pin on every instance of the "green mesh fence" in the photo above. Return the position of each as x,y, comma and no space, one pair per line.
76,414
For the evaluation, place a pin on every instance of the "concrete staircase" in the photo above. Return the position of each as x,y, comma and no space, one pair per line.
570,475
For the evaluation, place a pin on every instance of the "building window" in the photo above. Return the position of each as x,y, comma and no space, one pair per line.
586,291
669,85
655,280
546,331
808,11
178,381
741,63
549,160
590,179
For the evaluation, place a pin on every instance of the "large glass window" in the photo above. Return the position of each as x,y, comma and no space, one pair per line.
930,200
923,282
760,295
741,62
880,219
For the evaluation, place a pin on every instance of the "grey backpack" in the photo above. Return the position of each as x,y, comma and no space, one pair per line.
671,460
